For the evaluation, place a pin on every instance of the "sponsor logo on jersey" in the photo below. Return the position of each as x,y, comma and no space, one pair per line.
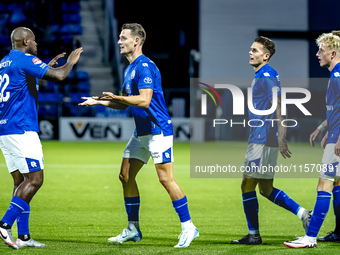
133,74
329,107
43,65
147,80
5,64
36,61
33,164
266,74
167,155
145,64
27,54
278,78
3,121
128,89
337,74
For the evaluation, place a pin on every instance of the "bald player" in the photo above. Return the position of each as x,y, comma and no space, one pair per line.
19,140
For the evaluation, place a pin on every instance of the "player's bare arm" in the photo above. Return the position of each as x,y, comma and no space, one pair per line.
142,100
60,73
337,147
283,147
324,141
111,103
317,131
54,62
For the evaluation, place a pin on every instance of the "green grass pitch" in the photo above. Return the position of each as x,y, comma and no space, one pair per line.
81,205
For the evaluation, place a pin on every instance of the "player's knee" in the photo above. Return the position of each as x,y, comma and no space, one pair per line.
123,178
265,192
166,181
244,186
37,182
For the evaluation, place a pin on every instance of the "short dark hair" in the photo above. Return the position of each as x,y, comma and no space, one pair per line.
136,30
268,44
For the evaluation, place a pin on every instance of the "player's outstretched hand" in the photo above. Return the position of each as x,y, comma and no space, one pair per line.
88,101
54,62
107,96
74,56
313,136
283,147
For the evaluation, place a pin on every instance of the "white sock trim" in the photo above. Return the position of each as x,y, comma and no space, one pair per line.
300,212
187,224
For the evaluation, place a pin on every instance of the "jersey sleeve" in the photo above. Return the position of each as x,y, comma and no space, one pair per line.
34,66
272,81
336,85
144,78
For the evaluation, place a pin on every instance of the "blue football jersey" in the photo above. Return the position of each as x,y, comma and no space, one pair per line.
142,73
333,105
266,78
19,73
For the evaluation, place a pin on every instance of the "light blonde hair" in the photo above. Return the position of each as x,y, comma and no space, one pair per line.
331,40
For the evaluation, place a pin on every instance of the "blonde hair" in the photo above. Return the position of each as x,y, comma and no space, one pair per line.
331,40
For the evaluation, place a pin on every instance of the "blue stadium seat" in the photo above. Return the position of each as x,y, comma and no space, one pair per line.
54,28
2,7
71,18
84,86
74,7
82,75
74,29
76,97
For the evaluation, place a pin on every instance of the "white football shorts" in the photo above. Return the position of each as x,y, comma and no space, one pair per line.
330,164
260,161
159,147
22,152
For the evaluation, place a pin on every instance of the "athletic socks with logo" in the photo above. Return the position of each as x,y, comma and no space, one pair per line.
336,206
132,208
181,207
251,209
22,223
282,199
319,214
16,207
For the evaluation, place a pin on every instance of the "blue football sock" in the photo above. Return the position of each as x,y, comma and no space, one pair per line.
132,208
319,214
336,206
251,209
16,207
22,222
282,199
181,207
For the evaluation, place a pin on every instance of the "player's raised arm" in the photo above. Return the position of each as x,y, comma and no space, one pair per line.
54,62
60,73
317,131
282,130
